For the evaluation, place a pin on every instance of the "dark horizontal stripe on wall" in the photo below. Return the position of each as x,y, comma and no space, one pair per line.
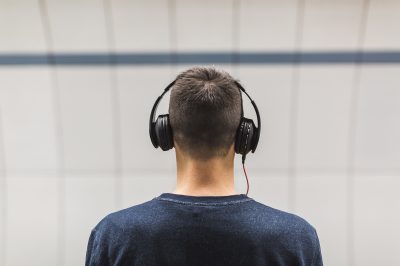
82,59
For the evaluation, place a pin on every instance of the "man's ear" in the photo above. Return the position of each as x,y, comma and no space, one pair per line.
176,146
232,147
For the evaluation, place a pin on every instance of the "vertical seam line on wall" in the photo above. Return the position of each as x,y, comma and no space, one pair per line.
236,9
352,133
3,194
235,36
173,35
294,108
110,35
43,7
173,40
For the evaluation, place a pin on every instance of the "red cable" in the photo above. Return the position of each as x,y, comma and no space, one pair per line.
247,180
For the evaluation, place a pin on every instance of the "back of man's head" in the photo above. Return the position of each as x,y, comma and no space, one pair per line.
204,111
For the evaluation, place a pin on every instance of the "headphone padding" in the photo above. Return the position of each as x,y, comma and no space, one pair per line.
168,134
165,133
255,139
238,138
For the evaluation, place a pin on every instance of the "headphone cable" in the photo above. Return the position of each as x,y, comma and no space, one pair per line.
244,170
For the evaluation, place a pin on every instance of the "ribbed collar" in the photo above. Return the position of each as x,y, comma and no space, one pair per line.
230,199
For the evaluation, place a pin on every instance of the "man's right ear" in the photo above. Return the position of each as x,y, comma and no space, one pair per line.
176,146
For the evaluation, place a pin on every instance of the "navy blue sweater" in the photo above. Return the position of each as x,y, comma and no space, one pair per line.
174,229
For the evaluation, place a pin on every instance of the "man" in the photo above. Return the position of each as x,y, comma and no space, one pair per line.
204,221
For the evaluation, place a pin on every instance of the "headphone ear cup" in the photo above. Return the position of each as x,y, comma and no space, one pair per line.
244,136
153,136
163,132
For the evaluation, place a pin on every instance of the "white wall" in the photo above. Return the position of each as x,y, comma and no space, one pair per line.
74,142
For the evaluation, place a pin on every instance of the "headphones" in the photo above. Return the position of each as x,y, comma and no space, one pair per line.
246,138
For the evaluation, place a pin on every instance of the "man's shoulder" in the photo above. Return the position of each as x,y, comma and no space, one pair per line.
128,218
283,222
286,232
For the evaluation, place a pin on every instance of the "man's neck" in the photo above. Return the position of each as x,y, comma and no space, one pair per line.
214,177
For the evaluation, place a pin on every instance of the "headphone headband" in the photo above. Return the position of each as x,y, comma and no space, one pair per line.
153,110
253,103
